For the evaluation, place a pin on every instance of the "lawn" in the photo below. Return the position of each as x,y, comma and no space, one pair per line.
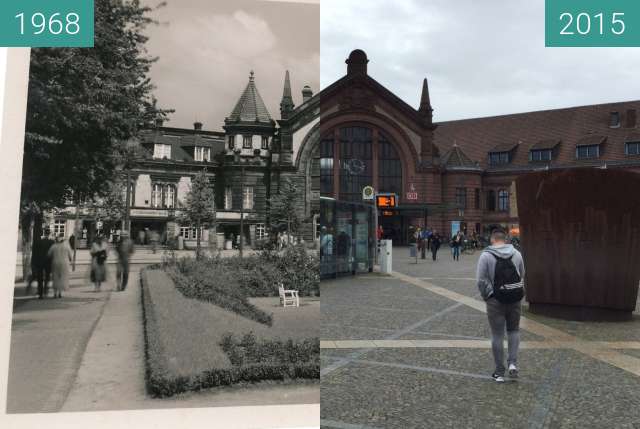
203,331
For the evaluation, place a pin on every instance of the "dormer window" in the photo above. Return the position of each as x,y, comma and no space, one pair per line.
246,142
202,154
614,120
232,142
265,142
161,151
586,152
540,155
632,148
499,158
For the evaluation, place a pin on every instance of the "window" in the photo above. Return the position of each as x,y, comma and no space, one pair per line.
356,162
246,142
499,158
540,155
228,198
632,148
161,151
389,167
491,200
614,120
476,200
202,154
247,198
156,196
169,196
261,231
461,198
163,196
189,232
326,167
585,152
59,227
265,142
503,200
232,142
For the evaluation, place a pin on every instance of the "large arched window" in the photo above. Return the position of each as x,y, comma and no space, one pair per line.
356,169
358,156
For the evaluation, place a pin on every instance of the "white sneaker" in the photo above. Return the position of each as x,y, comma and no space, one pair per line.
497,378
513,371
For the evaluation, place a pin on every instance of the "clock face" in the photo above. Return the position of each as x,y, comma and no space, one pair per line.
355,166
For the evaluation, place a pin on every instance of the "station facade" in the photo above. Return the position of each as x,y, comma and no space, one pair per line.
455,174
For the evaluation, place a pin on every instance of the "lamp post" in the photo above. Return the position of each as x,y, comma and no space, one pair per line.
242,212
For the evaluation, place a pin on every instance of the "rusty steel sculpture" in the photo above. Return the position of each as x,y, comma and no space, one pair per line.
580,231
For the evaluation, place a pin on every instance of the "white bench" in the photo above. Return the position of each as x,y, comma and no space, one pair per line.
288,298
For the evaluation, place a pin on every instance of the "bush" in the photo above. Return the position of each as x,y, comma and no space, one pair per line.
248,350
214,284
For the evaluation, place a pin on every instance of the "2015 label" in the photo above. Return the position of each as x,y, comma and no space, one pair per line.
582,23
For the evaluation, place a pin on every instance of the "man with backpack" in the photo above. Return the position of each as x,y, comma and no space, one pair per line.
500,279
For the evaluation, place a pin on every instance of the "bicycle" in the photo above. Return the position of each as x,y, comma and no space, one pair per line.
468,247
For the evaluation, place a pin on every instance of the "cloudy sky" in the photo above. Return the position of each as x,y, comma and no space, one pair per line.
482,58
207,48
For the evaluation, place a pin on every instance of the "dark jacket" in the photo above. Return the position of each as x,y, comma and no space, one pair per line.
39,253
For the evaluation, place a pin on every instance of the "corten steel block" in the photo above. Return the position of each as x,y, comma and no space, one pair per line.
580,231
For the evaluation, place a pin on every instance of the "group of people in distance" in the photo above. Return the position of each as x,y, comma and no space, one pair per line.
51,260
427,241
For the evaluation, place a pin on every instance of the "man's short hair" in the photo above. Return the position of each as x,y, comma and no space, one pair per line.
499,234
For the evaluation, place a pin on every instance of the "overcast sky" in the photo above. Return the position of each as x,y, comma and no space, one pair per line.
208,47
482,58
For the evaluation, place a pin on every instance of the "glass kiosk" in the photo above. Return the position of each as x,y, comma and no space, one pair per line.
347,238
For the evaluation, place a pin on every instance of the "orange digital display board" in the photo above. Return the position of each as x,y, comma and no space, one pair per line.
386,201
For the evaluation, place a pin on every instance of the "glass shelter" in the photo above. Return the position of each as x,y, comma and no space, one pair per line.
347,237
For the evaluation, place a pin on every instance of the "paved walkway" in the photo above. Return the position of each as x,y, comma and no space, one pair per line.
412,350
85,352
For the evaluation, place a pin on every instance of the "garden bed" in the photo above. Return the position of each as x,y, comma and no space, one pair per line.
184,340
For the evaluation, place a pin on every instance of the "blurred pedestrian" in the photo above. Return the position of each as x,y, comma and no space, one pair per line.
435,244
60,256
125,250
456,242
99,250
40,262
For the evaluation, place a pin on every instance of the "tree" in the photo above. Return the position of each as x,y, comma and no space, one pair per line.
199,207
283,208
81,104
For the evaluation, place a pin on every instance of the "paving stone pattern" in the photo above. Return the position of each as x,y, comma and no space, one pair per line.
432,387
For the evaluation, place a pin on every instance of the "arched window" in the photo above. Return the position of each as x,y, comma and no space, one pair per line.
366,158
503,200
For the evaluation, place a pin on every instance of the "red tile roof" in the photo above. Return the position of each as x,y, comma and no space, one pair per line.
522,131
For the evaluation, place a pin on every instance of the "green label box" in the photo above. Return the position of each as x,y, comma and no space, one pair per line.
46,23
592,23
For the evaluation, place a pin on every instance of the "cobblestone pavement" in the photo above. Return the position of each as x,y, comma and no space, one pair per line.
412,350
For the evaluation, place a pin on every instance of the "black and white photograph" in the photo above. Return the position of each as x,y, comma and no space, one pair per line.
167,252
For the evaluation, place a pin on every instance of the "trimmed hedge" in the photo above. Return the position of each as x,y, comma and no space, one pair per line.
169,339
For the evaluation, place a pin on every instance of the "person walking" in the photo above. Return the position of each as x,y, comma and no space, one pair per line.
41,264
99,250
500,279
60,255
456,242
435,244
423,237
419,242
125,250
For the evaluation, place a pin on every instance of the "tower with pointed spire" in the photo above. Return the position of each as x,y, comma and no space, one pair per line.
425,110
286,104
249,127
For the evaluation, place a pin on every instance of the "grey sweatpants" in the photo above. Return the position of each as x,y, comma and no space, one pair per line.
500,316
